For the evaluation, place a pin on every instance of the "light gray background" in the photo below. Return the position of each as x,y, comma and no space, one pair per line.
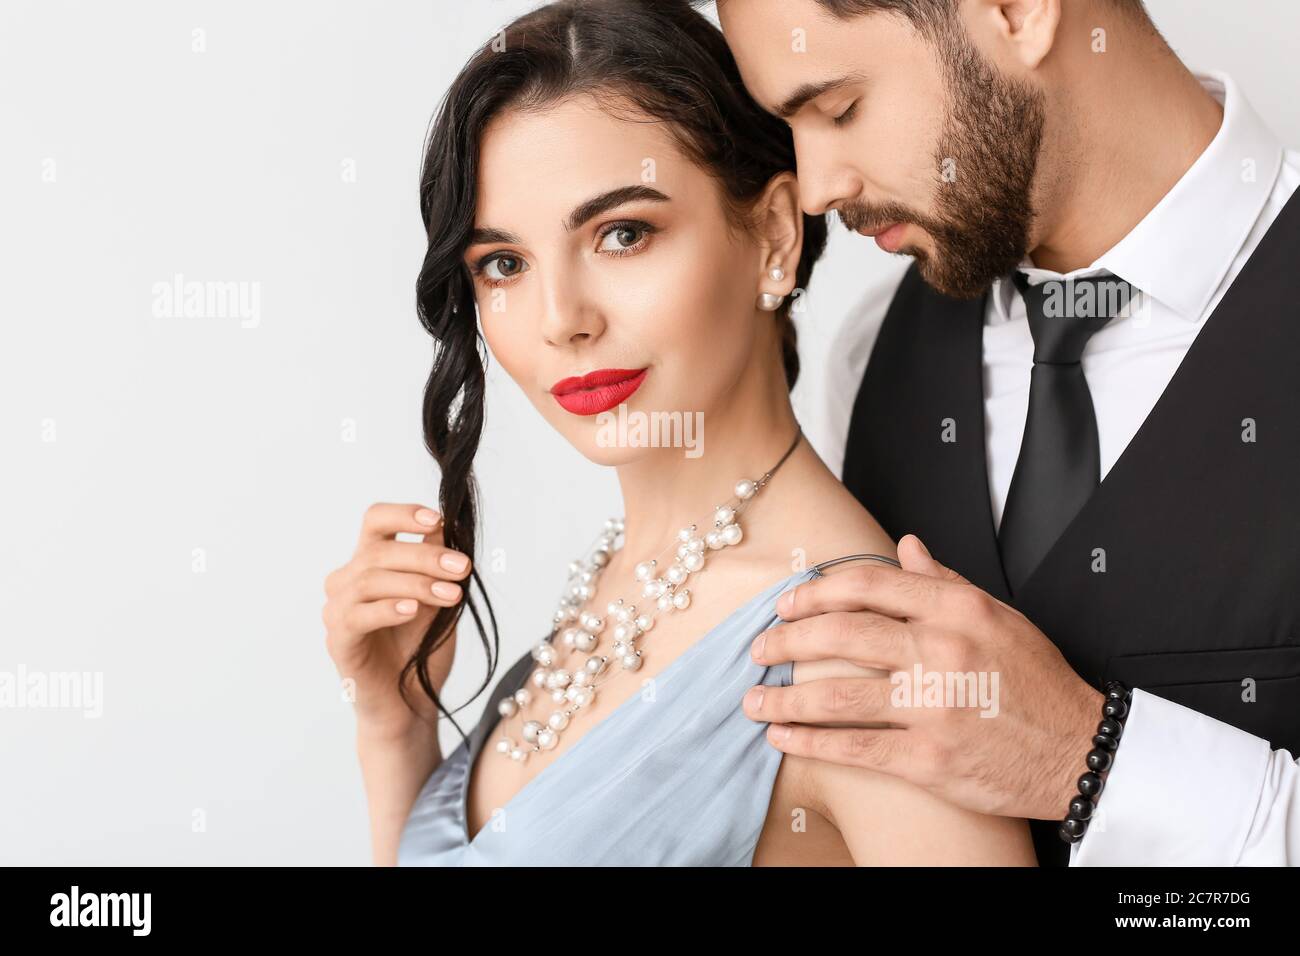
176,489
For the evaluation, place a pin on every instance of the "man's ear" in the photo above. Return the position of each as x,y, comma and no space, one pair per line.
1024,30
780,232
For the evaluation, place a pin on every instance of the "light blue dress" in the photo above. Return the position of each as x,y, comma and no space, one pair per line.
680,779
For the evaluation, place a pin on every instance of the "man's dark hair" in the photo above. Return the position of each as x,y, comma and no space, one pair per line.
927,15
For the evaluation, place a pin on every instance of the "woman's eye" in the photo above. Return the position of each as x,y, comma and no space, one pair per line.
501,268
624,237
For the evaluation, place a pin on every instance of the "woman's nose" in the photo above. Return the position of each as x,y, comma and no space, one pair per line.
568,314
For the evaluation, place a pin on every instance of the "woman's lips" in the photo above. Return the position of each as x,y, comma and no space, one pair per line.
598,391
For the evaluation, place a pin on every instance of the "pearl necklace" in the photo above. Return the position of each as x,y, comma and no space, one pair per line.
572,691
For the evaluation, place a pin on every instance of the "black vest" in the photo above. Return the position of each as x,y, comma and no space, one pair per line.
1198,527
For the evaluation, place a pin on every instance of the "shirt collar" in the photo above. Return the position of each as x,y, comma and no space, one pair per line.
1181,251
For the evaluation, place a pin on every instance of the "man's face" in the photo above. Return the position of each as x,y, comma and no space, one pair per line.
918,141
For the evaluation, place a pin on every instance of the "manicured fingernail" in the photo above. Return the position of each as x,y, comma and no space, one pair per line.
779,732
454,562
754,699
427,517
448,592
756,649
406,607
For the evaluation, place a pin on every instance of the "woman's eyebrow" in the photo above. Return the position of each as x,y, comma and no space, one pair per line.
606,201
585,212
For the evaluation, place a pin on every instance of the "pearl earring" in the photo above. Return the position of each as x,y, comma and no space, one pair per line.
777,273
769,302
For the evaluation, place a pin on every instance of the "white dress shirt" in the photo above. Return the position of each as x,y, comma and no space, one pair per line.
1160,806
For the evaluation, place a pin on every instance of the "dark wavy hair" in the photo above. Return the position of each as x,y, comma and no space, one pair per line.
666,61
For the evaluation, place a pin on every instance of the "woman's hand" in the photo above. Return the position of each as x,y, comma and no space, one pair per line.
379,606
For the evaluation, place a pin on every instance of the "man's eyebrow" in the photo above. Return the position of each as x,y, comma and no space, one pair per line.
610,200
810,91
584,213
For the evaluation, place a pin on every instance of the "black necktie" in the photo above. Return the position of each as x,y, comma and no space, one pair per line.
1060,464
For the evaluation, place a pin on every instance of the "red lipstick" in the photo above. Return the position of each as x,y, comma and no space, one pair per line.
598,391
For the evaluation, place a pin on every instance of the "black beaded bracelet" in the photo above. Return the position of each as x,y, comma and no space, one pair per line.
1114,710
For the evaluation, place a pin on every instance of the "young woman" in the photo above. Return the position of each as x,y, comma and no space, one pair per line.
625,222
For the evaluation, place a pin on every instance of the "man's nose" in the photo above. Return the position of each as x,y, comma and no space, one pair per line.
824,181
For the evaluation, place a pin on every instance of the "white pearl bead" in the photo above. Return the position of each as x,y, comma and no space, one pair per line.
665,602
585,641
651,589
745,489
571,691
538,679
631,662
622,633
683,550
645,622
621,648
583,678
530,730
559,678
724,516
540,648
507,707
612,607
685,534
693,561
548,657
645,570
584,697
505,745
732,534
566,637
558,720
600,558
547,739
595,624
677,574
626,613
557,695
695,544
714,541
595,665
518,755
682,600
777,274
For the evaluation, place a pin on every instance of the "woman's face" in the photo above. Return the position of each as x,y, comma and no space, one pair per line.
600,248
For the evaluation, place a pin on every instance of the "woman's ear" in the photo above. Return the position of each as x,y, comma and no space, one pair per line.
780,233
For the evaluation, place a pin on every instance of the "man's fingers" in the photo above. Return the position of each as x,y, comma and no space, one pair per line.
879,587
887,750
384,520
863,637
831,700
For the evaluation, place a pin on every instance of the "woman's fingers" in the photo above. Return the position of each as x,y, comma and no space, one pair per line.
418,558
367,617
383,520
375,584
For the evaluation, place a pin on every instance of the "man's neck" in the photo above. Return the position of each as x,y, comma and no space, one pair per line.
1130,130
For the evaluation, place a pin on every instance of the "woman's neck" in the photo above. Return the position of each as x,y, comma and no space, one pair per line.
667,489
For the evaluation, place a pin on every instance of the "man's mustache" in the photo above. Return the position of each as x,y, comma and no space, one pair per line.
865,217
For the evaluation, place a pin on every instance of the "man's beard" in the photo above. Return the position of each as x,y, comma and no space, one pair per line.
985,161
